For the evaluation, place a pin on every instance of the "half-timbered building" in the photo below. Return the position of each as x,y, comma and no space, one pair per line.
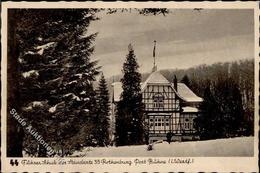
168,107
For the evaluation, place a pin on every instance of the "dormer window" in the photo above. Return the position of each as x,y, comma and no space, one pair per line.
158,101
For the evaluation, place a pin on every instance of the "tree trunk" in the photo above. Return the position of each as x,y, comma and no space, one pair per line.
42,151
15,132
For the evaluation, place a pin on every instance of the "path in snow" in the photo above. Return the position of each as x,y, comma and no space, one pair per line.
242,146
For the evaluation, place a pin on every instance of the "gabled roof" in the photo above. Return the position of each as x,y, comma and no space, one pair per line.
157,78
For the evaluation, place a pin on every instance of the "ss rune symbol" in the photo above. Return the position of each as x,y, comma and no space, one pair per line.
15,162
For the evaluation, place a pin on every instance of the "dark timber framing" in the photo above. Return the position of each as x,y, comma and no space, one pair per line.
164,113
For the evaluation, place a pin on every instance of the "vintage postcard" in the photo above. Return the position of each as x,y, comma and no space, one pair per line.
129,87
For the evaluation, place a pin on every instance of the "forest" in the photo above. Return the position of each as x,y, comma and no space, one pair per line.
228,93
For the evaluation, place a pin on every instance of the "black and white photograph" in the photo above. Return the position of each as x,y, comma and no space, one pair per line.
129,83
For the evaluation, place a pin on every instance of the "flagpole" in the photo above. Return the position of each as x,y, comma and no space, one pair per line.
154,53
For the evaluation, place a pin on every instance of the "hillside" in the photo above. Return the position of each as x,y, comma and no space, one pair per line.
242,73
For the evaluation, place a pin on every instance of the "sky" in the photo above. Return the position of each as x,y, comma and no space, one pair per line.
185,38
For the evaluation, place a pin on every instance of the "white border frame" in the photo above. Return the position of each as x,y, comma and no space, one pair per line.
205,164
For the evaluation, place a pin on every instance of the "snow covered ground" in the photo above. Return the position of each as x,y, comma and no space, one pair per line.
242,146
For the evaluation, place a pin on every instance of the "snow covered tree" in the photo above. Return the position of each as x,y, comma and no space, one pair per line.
129,119
55,75
102,120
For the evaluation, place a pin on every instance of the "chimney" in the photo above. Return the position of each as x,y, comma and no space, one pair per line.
175,83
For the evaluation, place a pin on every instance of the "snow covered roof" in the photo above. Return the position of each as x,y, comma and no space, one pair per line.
190,109
187,94
157,78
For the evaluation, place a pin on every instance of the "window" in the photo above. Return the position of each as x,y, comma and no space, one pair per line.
188,124
158,101
159,124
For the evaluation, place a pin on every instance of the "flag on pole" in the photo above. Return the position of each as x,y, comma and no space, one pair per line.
154,66
154,48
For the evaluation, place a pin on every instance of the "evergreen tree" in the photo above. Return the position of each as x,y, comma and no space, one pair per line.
15,132
102,120
206,122
229,101
129,119
55,75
